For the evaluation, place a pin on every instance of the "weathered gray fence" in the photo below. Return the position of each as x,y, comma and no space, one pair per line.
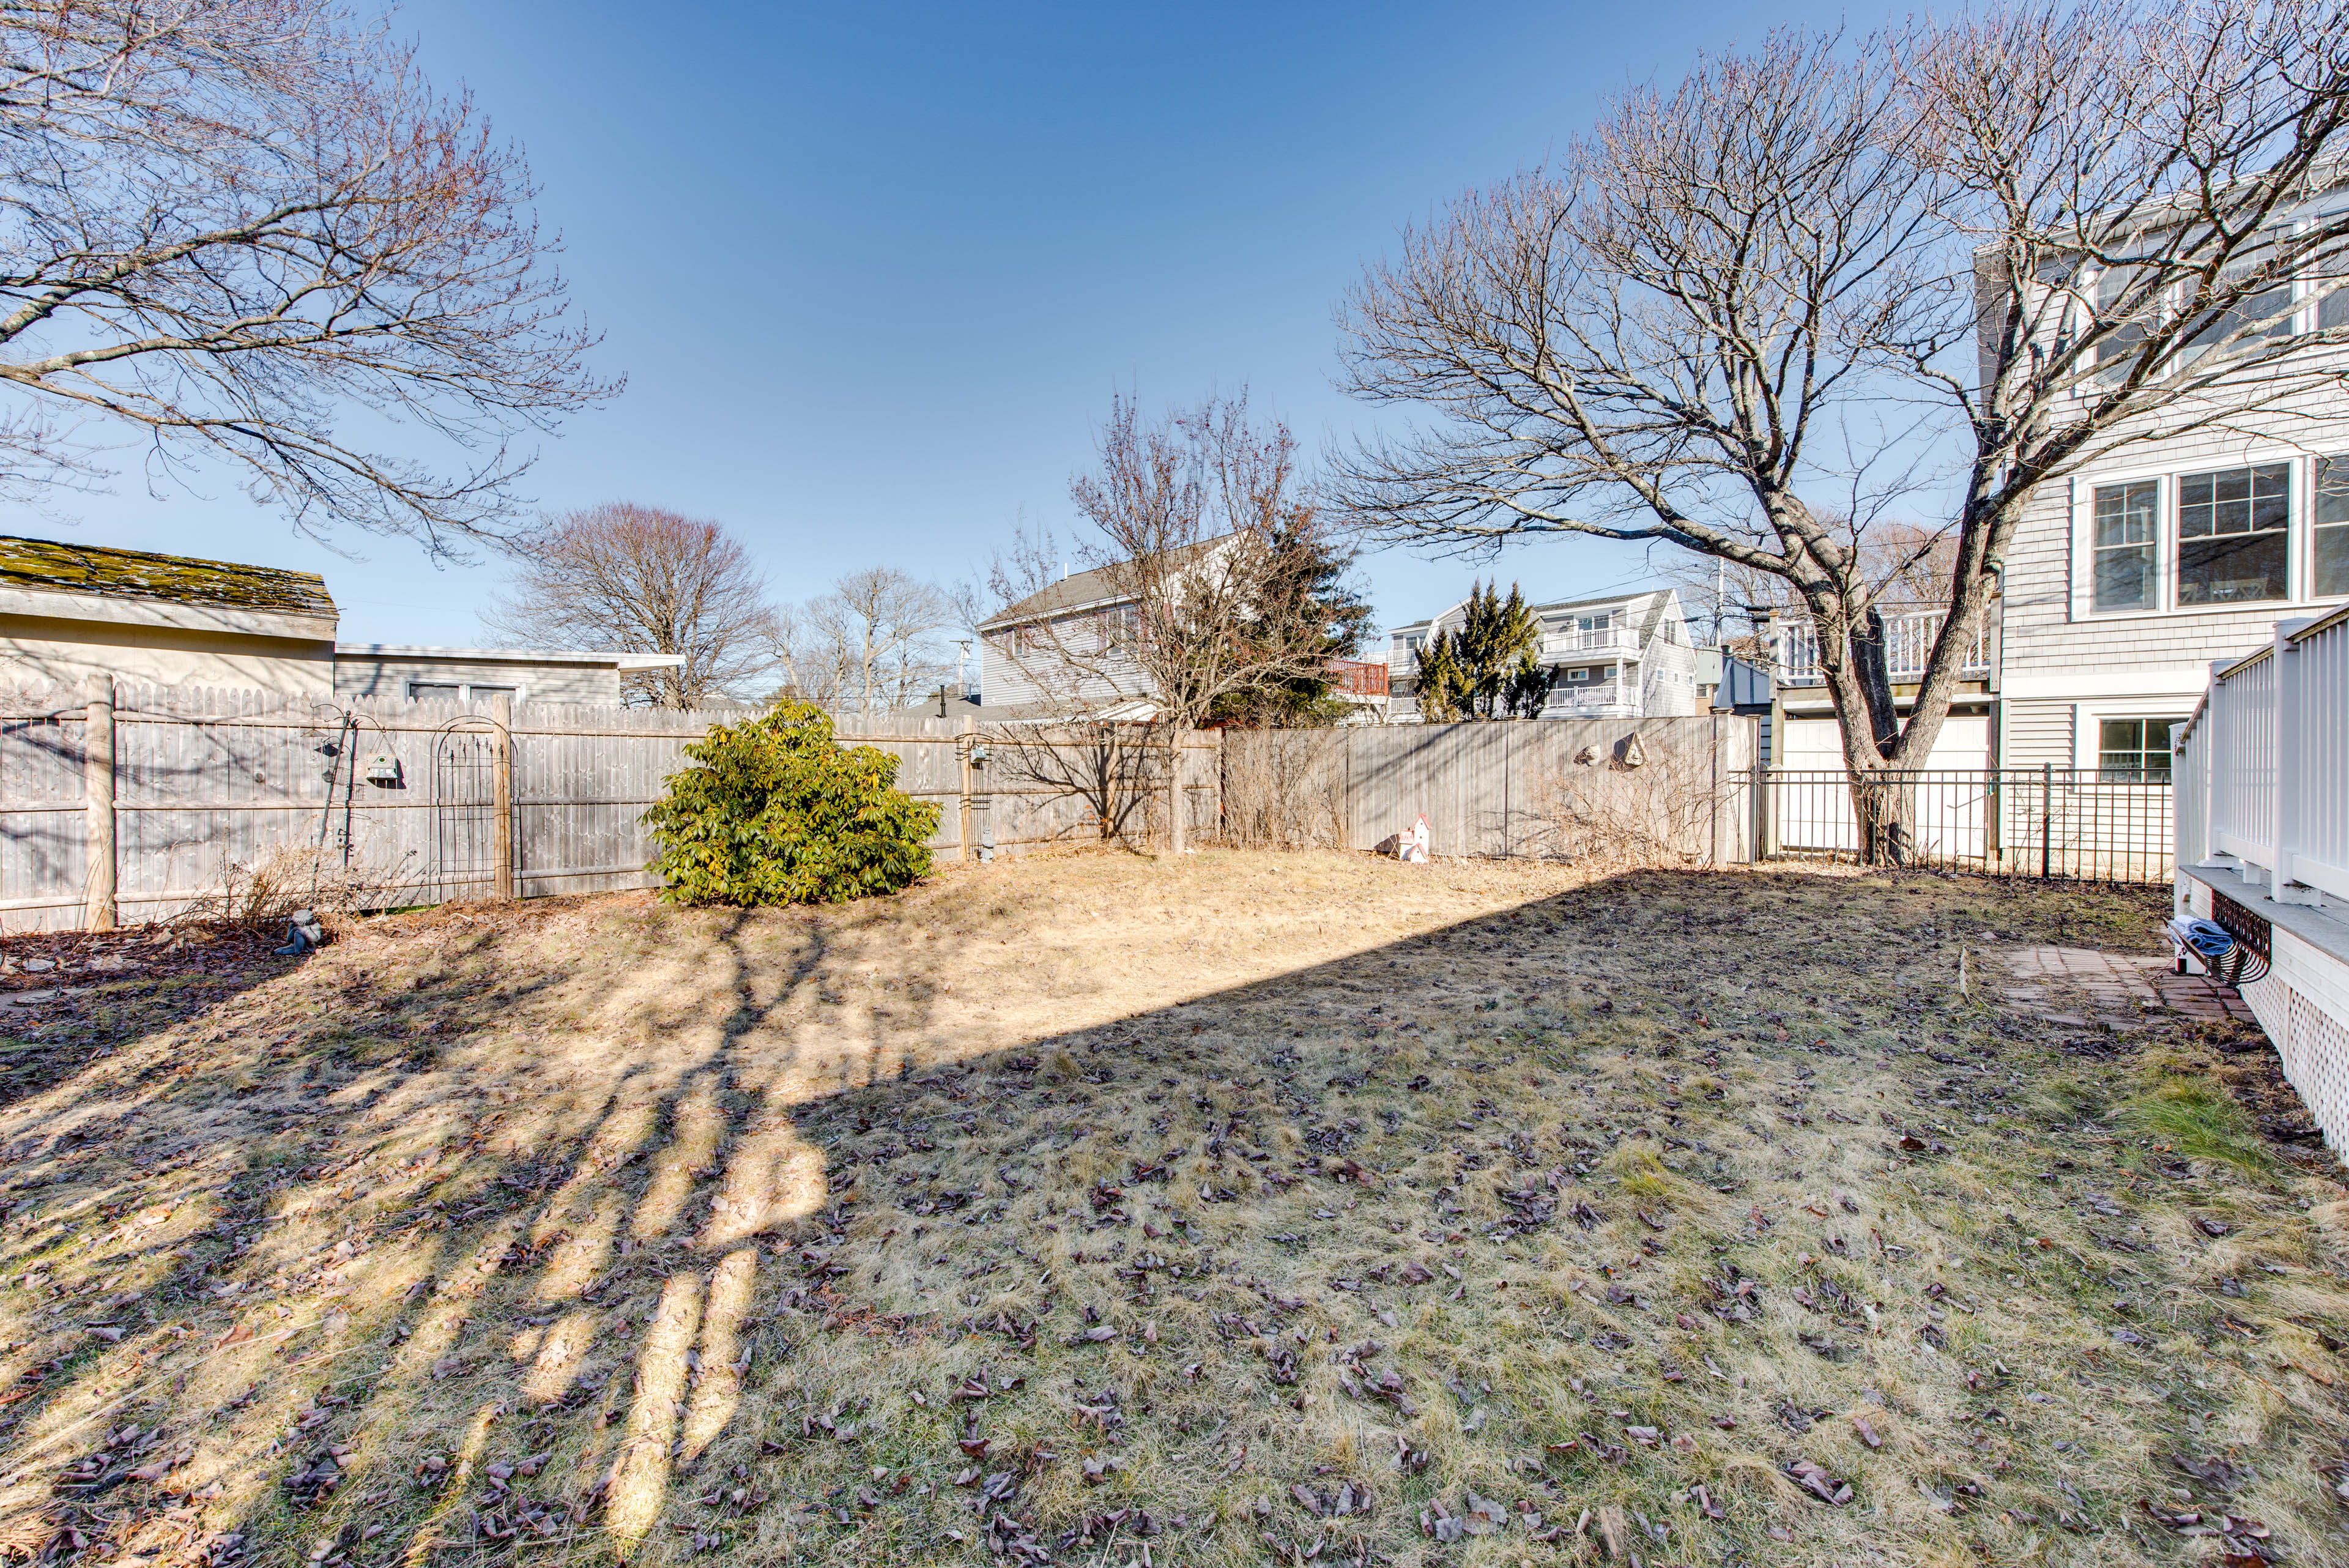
970,771
1655,790
137,803
141,803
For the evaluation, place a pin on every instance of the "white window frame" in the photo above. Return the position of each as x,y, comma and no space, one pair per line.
2304,558
2085,547
465,688
2088,726
2299,533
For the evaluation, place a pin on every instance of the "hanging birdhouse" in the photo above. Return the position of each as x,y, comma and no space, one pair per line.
1634,754
383,769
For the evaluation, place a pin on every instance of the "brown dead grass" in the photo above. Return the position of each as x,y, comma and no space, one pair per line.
596,1227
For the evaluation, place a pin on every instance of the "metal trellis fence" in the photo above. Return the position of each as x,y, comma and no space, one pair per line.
2087,824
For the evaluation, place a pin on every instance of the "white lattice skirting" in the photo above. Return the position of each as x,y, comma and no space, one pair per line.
2303,1002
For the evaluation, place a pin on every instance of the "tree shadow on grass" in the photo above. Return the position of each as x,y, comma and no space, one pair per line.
456,1265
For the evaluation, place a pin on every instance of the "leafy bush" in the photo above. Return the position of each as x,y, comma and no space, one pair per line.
776,812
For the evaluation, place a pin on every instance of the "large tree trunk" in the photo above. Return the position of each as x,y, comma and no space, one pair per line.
1876,763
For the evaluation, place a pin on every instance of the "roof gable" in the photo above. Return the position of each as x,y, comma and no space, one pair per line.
1096,587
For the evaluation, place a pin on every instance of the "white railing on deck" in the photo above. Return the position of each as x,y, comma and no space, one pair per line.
2189,799
1591,696
1587,639
1908,639
2263,765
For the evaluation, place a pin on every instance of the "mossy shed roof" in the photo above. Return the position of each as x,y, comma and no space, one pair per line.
175,579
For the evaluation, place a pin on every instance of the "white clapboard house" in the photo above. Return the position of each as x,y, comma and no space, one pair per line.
2125,583
1623,656
1057,654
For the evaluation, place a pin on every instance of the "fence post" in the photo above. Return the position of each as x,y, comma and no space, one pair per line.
962,756
1713,799
501,801
97,800
2282,886
2046,821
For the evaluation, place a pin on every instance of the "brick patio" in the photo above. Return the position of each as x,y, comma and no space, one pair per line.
2113,990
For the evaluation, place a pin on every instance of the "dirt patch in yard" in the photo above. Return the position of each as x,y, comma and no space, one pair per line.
1253,1208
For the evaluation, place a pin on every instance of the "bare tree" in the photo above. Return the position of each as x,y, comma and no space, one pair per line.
812,656
1114,767
1742,316
1906,565
226,223
875,641
636,579
1201,588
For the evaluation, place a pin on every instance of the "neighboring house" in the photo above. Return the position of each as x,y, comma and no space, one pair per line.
1625,657
1809,738
68,612
474,675
1056,651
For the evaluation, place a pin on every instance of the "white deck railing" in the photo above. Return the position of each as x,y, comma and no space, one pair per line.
2262,768
1909,637
1587,639
1592,697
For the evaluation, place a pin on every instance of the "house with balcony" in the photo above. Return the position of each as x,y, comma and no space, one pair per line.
1805,735
1623,656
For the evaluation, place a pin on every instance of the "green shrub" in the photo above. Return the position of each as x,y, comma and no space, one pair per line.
776,812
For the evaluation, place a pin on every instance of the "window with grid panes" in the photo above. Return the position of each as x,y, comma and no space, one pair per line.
2232,524
2127,517
2134,750
2328,517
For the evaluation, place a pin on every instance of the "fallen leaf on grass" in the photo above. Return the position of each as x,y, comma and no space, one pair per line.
1818,1483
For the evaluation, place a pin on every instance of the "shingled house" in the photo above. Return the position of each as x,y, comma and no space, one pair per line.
68,612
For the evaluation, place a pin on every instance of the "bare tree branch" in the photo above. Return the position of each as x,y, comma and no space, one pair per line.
229,223
2035,237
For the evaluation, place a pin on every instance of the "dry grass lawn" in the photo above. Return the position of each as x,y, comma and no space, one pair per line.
1257,1208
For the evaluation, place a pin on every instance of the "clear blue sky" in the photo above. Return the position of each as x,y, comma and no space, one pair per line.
874,271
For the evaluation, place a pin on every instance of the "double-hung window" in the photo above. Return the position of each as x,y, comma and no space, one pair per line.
2127,524
2329,529
2232,528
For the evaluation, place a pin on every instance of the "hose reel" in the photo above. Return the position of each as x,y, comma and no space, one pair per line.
2225,959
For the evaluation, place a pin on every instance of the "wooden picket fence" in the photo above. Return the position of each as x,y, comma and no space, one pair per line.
1652,791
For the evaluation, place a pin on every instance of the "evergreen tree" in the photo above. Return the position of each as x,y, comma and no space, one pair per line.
1529,686
1314,592
1443,684
1490,668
